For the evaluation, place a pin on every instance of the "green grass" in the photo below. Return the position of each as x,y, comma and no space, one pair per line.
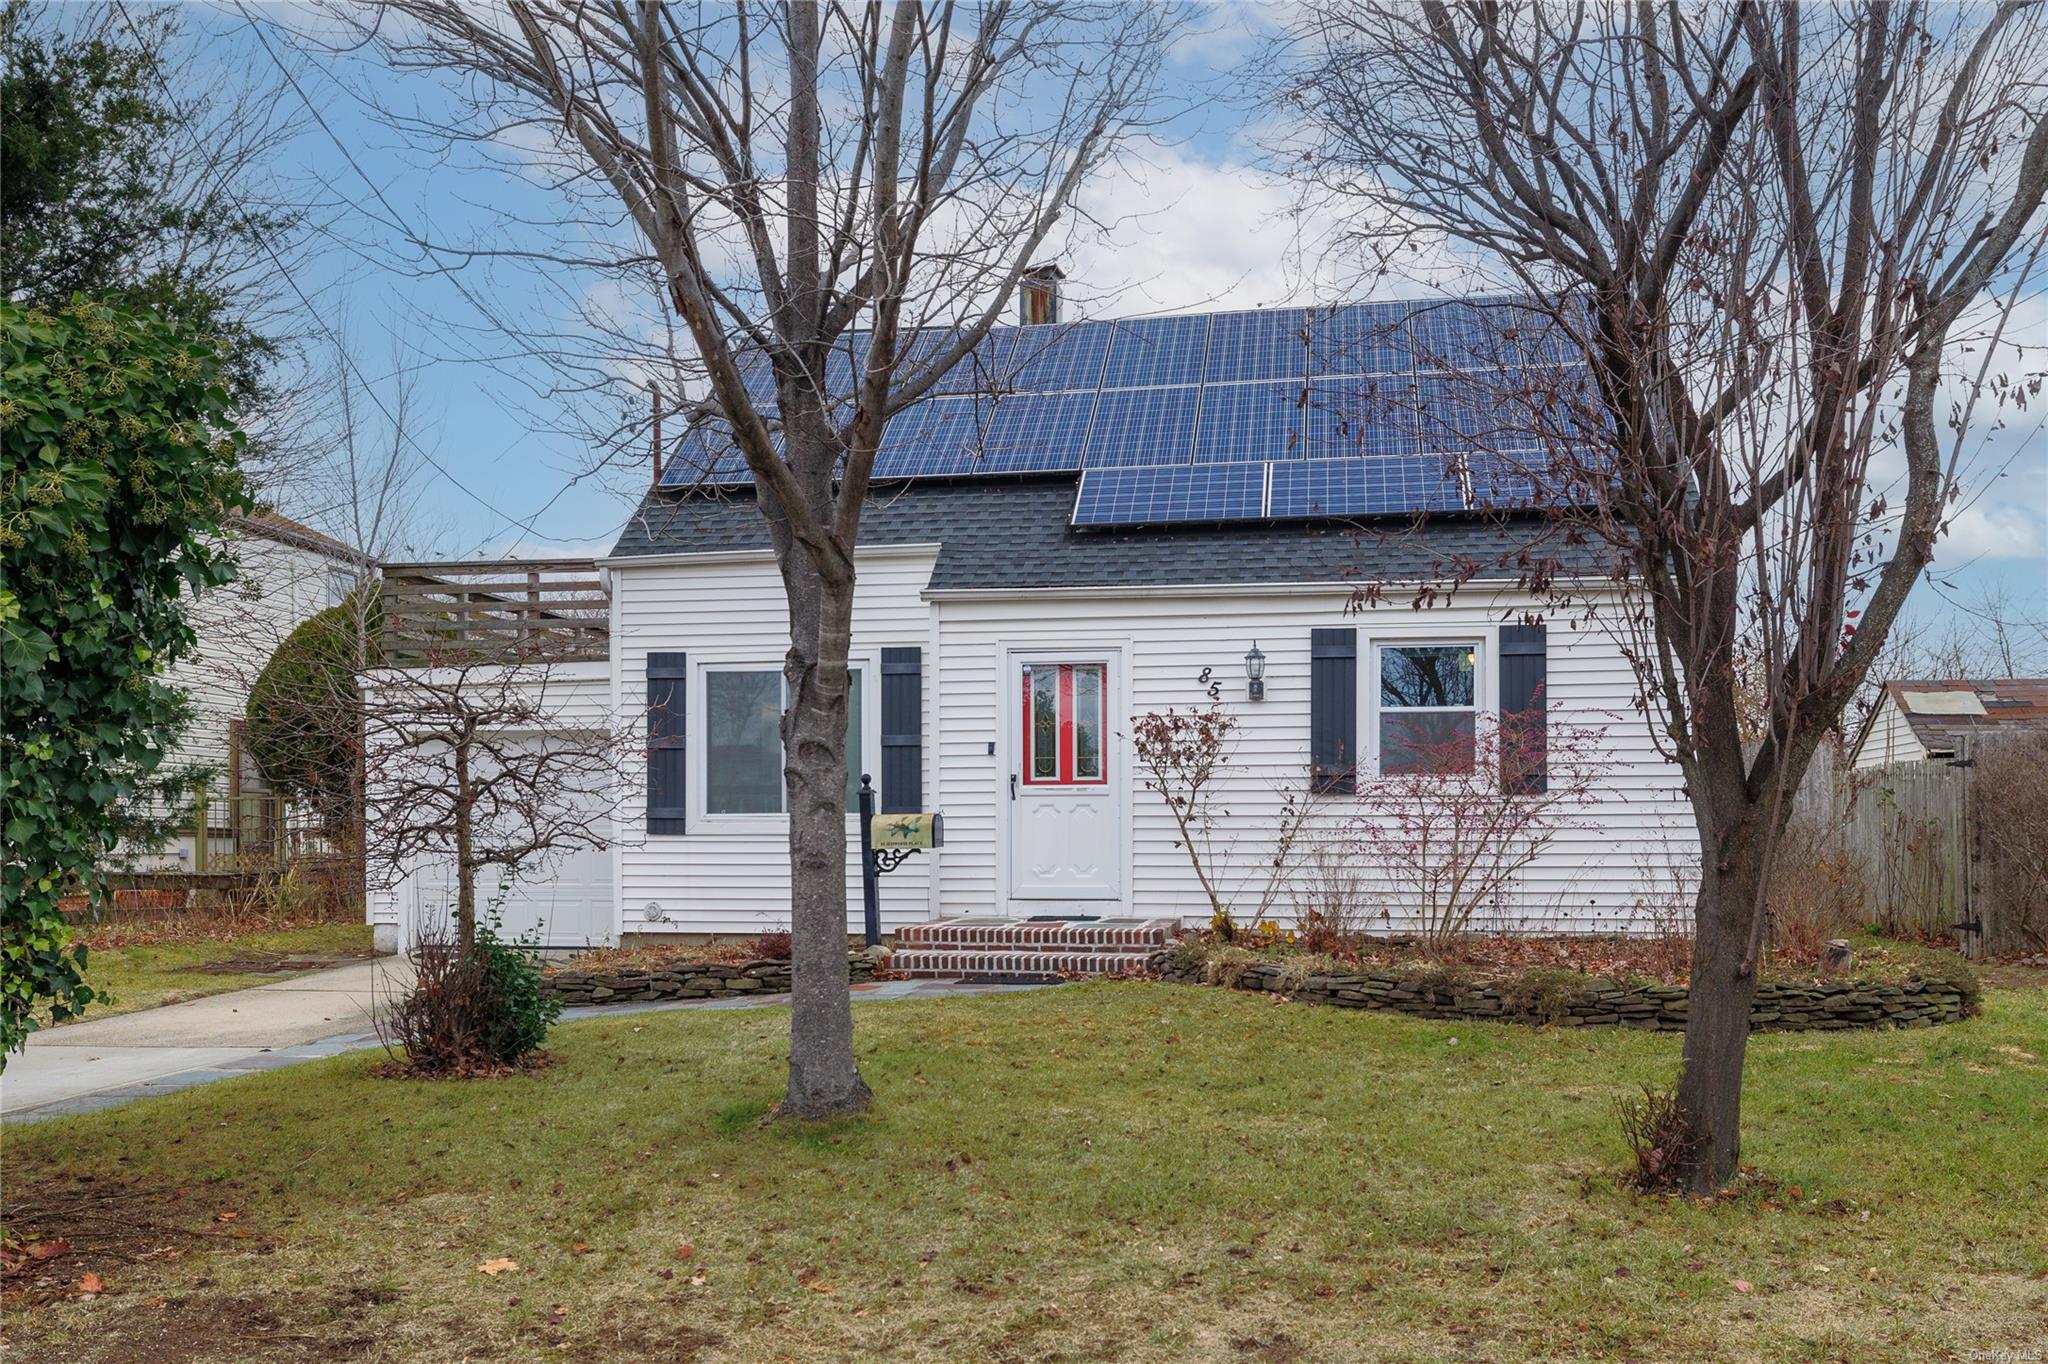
1102,1171
144,976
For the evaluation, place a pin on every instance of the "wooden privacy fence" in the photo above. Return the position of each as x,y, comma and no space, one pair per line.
1937,853
516,608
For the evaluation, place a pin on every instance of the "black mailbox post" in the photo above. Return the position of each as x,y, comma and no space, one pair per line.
884,850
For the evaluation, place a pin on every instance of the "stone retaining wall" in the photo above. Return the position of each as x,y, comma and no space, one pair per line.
684,980
1780,1006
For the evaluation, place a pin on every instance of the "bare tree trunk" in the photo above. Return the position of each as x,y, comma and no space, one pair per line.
1717,1016
824,1078
465,852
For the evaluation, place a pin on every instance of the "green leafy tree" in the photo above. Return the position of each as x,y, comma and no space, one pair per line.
305,713
120,463
113,187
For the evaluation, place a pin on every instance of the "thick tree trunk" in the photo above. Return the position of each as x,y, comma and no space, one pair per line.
824,1079
1717,1013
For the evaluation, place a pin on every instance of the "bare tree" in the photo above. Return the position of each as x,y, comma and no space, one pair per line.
472,760
1769,231
839,202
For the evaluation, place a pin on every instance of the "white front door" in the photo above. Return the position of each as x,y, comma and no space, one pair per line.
1065,794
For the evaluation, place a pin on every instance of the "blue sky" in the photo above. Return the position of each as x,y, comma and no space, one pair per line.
1196,225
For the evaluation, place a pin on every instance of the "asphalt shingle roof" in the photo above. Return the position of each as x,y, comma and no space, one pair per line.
2006,702
1016,535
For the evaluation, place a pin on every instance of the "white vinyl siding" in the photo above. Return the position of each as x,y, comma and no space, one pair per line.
730,874
1596,877
1624,863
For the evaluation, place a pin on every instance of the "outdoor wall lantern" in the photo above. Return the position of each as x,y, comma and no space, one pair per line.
1255,671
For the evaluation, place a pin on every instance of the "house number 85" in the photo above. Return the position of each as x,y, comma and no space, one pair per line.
1207,679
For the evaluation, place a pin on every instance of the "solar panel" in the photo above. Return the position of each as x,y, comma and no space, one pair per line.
938,437
1261,345
1362,416
1250,421
1360,410
1360,338
1521,479
1468,334
757,375
1151,352
991,367
1171,495
1364,487
845,362
1143,426
706,454
1036,433
1065,356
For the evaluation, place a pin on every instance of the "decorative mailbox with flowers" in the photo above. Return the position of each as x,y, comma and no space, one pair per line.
922,830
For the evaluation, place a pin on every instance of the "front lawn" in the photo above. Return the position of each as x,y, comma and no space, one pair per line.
1100,1171
144,975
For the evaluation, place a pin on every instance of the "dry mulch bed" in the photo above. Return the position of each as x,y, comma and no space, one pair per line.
1668,960
157,928
656,957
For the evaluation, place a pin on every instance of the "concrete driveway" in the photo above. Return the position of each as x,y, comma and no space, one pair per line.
107,1061
110,1061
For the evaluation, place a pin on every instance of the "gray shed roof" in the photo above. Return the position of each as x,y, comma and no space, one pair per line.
1017,535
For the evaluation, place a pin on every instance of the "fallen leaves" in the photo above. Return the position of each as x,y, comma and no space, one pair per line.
497,1266
91,1285
1741,1285
50,1249
684,1251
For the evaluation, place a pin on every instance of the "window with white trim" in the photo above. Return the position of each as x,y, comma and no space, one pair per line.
742,764
1425,706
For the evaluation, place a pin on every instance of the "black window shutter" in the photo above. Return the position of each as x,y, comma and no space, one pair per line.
1524,669
1333,711
902,730
668,685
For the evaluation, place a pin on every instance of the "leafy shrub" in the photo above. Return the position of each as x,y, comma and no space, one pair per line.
771,946
521,1010
118,467
474,1012
1662,1137
305,713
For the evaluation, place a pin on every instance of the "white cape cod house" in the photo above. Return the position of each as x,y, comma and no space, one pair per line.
1110,532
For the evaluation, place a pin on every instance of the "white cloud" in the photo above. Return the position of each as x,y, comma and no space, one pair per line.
1999,530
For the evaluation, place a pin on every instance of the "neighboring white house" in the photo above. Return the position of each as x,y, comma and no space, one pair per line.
288,572
1015,612
1915,721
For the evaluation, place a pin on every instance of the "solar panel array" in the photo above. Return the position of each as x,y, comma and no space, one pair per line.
1361,410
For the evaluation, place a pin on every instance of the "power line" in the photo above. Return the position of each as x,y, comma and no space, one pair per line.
263,241
399,220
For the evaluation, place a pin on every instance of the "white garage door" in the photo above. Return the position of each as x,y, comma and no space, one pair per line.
566,904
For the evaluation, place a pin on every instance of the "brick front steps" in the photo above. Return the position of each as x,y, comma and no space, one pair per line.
989,947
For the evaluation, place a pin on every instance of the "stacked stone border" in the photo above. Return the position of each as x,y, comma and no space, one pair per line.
683,980
1781,1006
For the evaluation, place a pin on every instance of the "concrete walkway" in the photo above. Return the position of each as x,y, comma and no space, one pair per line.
105,1062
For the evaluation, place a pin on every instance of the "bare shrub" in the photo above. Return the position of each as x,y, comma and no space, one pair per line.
1183,754
1816,893
476,1008
1662,1137
1329,895
774,945
1665,887
1449,838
